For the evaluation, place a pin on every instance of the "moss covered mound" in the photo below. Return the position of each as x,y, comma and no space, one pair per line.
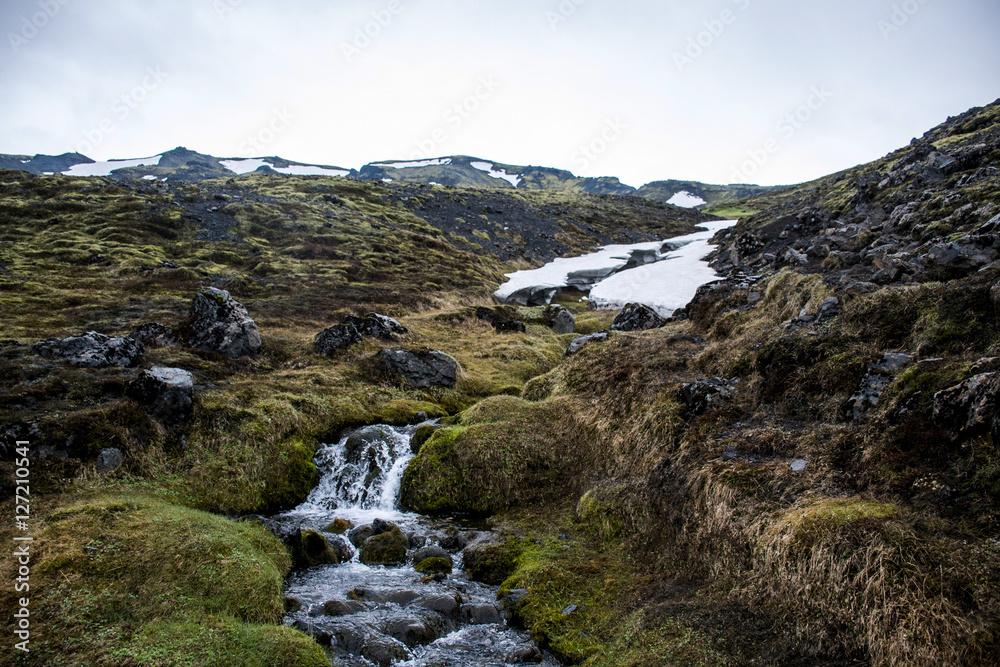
504,452
433,565
136,577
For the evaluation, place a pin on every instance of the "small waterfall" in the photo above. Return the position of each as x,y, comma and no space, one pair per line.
362,471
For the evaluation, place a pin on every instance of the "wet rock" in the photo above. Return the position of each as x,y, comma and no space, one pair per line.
359,534
388,548
110,459
559,319
335,338
340,608
969,408
422,435
480,614
434,565
319,635
412,630
581,342
400,597
421,369
637,317
155,334
92,350
704,395
430,552
292,605
219,323
512,599
310,548
375,326
338,526
165,393
527,654
384,651
446,604
455,540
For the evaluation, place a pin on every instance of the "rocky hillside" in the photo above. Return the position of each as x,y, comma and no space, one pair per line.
800,467
714,196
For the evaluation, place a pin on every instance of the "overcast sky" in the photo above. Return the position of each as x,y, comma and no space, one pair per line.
763,91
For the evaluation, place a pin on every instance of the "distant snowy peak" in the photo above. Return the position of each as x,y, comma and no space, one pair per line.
498,173
685,199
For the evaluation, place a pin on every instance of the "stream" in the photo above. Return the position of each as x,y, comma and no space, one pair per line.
393,615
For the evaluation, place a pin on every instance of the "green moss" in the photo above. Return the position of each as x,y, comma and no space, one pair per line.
492,562
430,566
388,548
309,548
422,435
822,521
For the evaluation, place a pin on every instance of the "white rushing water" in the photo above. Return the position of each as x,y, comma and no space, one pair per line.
393,611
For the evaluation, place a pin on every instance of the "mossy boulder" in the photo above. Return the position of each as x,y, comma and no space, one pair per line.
422,435
433,565
491,562
309,548
339,526
387,548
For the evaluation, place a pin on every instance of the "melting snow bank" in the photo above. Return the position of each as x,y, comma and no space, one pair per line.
664,275
685,199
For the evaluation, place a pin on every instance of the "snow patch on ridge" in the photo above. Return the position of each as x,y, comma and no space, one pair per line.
685,199
105,168
499,173
439,162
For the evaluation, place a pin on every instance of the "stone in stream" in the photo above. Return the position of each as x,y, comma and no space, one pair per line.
310,548
432,565
388,548
416,630
443,603
490,561
480,614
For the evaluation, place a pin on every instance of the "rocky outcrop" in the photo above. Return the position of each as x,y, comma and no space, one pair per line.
705,395
165,393
422,369
874,383
219,323
92,350
352,330
559,319
637,317
971,407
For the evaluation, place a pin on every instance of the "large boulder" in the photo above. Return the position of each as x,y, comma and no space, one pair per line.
388,548
337,337
969,408
559,319
490,561
637,317
422,369
165,393
219,323
92,350
310,548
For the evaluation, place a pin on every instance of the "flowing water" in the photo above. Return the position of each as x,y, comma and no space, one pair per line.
376,615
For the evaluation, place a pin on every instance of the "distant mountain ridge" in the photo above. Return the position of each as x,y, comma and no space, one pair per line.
449,171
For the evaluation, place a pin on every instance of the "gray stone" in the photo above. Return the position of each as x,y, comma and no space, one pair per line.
970,407
445,604
430,552
376,326
219,323
704,395
581,342
155,334
412,630
110,459
637,317
92,350
480,614
798,465
874,383
336,337
422,369
559,319
165,393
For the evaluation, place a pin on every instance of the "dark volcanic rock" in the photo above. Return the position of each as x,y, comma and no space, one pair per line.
337,337
110,459
166,393
376,326
422,369
637,317
221,324
515,326
874,383
704,395
970,407
93,350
